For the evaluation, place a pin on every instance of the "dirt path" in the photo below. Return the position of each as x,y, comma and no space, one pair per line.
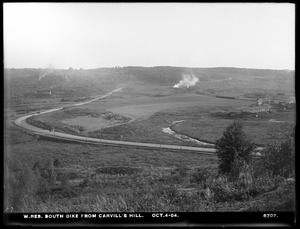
21,122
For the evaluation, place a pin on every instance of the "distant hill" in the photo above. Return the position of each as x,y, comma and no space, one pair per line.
99,80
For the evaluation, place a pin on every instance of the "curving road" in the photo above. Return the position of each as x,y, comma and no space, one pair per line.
21,122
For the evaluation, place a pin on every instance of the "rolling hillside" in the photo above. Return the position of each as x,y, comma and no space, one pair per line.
96,81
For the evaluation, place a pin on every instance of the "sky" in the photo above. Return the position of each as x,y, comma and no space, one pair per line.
94,35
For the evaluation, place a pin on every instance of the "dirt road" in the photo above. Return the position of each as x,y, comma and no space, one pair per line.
21,122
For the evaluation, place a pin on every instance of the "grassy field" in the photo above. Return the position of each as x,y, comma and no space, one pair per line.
142,117
261,129
117,171
43,175
87,178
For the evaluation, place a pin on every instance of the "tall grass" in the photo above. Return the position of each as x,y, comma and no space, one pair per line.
177,191
154,183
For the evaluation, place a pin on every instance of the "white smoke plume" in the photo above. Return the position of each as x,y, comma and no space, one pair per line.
46,72
188,80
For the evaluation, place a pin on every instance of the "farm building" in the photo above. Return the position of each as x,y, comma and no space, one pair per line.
259,102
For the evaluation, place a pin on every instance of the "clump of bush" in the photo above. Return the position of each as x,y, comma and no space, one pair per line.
240,177
33,121
203,177
20,187
25,185
233,150
279,159
179,174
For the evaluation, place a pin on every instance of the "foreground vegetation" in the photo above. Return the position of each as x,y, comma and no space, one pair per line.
42,175
46,176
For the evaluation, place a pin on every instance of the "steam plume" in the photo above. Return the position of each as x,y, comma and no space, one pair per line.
46,72
188,80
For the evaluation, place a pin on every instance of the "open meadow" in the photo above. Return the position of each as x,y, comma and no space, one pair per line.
50,175
140,117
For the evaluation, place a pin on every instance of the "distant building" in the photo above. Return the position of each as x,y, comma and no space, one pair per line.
259,102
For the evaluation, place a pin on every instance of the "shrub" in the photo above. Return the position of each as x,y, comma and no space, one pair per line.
21,185
26,186
57,163
203,177
242,171
233,147
245,178
179,174
279,159
65,182
264,183
222,189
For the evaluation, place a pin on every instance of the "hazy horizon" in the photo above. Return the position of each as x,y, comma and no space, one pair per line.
163,66
106,35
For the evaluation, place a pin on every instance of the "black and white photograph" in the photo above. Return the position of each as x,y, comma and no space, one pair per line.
149,113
